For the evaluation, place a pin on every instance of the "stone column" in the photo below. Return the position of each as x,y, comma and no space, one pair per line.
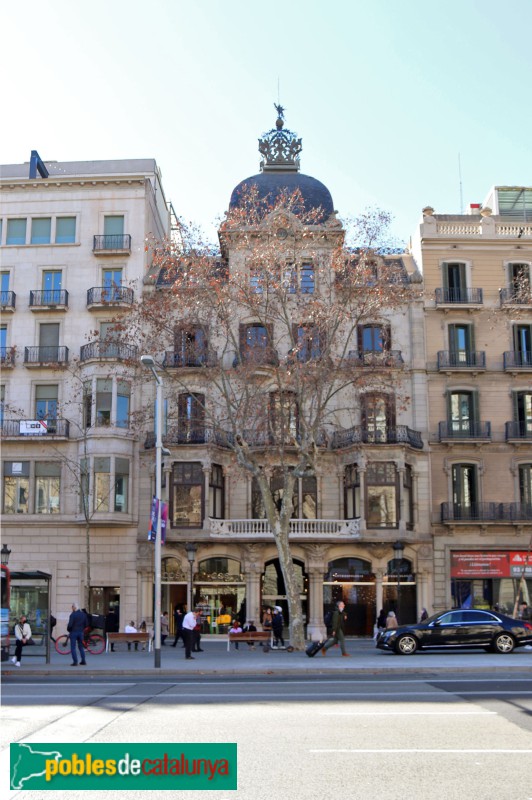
315,628
402,519
362,472
379,590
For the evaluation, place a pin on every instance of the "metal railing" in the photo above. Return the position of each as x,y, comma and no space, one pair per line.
106,295
48,297
370,358
486,512
461,359
21,428
518,430
50,354
7,356
358,434
192,358
111,241
463,295
515,296
7,299
515,359
465,430
115,350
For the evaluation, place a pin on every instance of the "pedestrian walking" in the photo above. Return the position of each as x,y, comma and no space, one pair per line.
23,638
337,636
178,625
164,626
77,622
189,623
277,627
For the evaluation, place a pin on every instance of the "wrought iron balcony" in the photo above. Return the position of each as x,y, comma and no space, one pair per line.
50,355
369,358
461,360
359,434
462,296
465,430
189,358
48,298
28,428
486,512
111,243
258,357
7,357
7,301
515,359
515,297
518,430
109,296
299,528
108,350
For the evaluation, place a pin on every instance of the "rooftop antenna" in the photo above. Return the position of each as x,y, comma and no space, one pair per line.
278,92
460,179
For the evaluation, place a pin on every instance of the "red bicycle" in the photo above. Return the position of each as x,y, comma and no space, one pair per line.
92,642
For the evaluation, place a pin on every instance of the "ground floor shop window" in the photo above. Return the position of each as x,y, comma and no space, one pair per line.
274,590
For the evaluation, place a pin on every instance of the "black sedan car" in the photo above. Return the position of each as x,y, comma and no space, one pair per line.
459,629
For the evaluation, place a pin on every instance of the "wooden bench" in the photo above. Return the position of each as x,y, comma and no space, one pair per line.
113,638
263,637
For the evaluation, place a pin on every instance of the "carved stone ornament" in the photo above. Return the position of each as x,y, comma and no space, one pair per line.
280,148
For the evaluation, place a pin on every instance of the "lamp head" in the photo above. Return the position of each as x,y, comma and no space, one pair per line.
5,552
191,549
147,361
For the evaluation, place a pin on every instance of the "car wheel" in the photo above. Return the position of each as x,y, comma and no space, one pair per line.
406,645
503,643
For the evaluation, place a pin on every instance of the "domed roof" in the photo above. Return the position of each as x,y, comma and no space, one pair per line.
271,184
280,171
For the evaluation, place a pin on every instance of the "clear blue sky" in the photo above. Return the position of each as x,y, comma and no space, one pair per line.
385,94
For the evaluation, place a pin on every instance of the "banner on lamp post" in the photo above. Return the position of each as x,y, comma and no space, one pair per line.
152,534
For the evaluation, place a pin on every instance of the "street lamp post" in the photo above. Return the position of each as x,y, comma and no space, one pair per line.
191,549
398,549
148,361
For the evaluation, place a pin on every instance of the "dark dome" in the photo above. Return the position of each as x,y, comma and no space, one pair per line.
270,184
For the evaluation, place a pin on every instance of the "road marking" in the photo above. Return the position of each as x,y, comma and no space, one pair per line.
406,713
417,750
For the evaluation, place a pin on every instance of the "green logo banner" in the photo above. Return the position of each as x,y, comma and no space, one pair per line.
124,766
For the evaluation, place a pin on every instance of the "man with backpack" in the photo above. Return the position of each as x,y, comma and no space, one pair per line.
337,629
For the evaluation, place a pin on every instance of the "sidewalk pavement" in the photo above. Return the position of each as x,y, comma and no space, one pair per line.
216,660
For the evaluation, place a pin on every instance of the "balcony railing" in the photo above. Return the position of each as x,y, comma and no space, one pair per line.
486,512
50,354
518,430
110,295
462,359
258,357
515,359
192,358
462,296
42,298
7,301
384,358
358,434
104,350
465,430
7,356
42,429
299,528
112,242
515,297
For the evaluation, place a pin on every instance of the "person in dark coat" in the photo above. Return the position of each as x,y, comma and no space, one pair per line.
77,622
111,624
277,627
178,626
337,636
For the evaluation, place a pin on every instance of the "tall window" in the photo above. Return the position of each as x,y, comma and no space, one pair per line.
47,487
519,280
191,417
123,391
408,497
51,283
4,286
373,338
351,492
190,347
284,420
256,343
104,400
16,487
523,345
3,343
65,230
40,230
461,344
46,402
49,341
304,498
464,487
525,487
216,492
121,485
455,282
306,273
186,501
113,229
16,231
378,416
109,344
523,412
102,483
112,281
309,342
463,413
299,278
381,495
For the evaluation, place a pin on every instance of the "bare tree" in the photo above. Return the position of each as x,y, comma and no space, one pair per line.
273,319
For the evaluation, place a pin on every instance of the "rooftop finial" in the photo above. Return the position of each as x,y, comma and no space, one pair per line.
280,148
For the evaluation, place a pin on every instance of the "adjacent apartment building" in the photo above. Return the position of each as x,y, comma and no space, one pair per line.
478,321
72,249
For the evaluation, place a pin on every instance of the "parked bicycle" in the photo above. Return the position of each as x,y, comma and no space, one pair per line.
92,642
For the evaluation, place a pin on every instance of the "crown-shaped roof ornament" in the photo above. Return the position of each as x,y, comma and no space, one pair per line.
280,148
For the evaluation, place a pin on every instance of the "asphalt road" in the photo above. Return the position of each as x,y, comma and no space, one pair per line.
383,737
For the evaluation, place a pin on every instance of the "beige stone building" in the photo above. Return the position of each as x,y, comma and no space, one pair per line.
72,250
478,315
